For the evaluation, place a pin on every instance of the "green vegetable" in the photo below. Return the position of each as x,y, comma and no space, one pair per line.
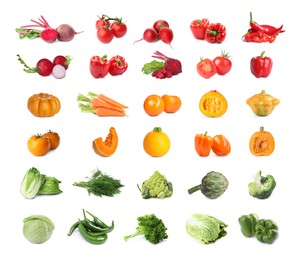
262,187
28,33
207,229
151,227
213,185
100,184
31,183
152,66
266,231
156,186
37,228
248,224
90,237
50,186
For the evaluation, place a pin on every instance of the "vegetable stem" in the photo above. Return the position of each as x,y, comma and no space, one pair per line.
194,189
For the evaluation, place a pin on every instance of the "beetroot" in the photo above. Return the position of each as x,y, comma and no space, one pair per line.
66,33
170,64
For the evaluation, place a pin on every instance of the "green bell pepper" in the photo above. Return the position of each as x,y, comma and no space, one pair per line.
266,231
248,224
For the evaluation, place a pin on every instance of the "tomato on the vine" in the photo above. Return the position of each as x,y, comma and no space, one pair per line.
206,68
105,34
119,28
223,63
101,23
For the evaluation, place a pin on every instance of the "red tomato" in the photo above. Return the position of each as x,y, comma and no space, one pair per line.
105,34
102,22
206,68
223,63
119,29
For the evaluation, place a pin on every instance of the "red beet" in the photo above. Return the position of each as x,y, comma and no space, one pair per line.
170,64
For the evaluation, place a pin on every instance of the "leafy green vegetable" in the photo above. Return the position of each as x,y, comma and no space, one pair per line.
156,186
207,229
151,227
100,184
263,186
152,66
28,33
38,228
50,186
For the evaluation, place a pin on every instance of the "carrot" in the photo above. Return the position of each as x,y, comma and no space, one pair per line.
111,101
98,103
103,112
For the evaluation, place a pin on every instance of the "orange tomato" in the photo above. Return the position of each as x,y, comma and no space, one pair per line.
156,143
154,105
171,103
38,145
54,139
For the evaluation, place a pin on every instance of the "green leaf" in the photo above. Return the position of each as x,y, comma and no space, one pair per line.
152,66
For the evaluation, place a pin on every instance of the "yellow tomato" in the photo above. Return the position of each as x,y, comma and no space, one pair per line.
156,143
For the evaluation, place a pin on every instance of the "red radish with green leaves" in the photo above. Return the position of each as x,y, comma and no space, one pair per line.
62,60
43,67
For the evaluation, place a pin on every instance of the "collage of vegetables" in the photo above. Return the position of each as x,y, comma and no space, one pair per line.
159,133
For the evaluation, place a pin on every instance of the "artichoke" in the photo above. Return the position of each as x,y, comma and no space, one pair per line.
213,185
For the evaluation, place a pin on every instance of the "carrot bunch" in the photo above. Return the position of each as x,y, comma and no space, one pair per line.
100,105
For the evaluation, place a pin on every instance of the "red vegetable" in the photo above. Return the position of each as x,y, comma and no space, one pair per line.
216,32
223,63
261,66
62,60
159,24
119,28
105,34
172,65
258,37
102,21
206,68
43,67
118,65
149,35
99,66
66,33
166,35
198,28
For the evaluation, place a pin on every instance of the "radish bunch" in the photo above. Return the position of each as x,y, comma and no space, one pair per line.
63,33
160,31
46,67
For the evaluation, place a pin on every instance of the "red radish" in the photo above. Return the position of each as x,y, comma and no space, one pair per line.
62,60
48,34
149,35
159,24
59,71
172,65
166,35
66,33
43,66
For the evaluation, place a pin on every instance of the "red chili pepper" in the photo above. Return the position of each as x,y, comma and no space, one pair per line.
258,37
198,28
268,29
261,66
99,66
216,32
118,65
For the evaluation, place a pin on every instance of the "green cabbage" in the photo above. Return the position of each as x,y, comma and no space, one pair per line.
205,228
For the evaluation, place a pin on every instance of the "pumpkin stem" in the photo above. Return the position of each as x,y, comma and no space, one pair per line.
261,128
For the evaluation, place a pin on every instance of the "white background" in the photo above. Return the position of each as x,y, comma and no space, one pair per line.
75,159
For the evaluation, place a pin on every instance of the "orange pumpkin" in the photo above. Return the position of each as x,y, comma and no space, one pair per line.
43,105
213,104
108,146
262,143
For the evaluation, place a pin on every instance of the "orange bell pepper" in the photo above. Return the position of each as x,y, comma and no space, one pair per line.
203,144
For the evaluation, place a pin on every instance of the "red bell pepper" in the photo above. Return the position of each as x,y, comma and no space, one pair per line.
261,66
118,65
216,32
198,28
99,66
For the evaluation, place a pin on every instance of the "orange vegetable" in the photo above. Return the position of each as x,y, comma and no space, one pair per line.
213,104
43,105
54,139
111,101
154,105
262,143
171,103
203,144
221,146
108,146
156,143
38,145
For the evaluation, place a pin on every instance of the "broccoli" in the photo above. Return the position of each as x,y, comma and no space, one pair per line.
156,186
151,227
262,187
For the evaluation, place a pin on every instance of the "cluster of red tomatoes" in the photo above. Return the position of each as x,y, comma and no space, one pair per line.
108,28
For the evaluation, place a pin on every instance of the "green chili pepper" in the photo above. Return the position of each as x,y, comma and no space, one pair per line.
90,237
73,227
99,222
248,224
266,231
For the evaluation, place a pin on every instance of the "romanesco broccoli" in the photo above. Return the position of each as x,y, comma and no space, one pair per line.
156,186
